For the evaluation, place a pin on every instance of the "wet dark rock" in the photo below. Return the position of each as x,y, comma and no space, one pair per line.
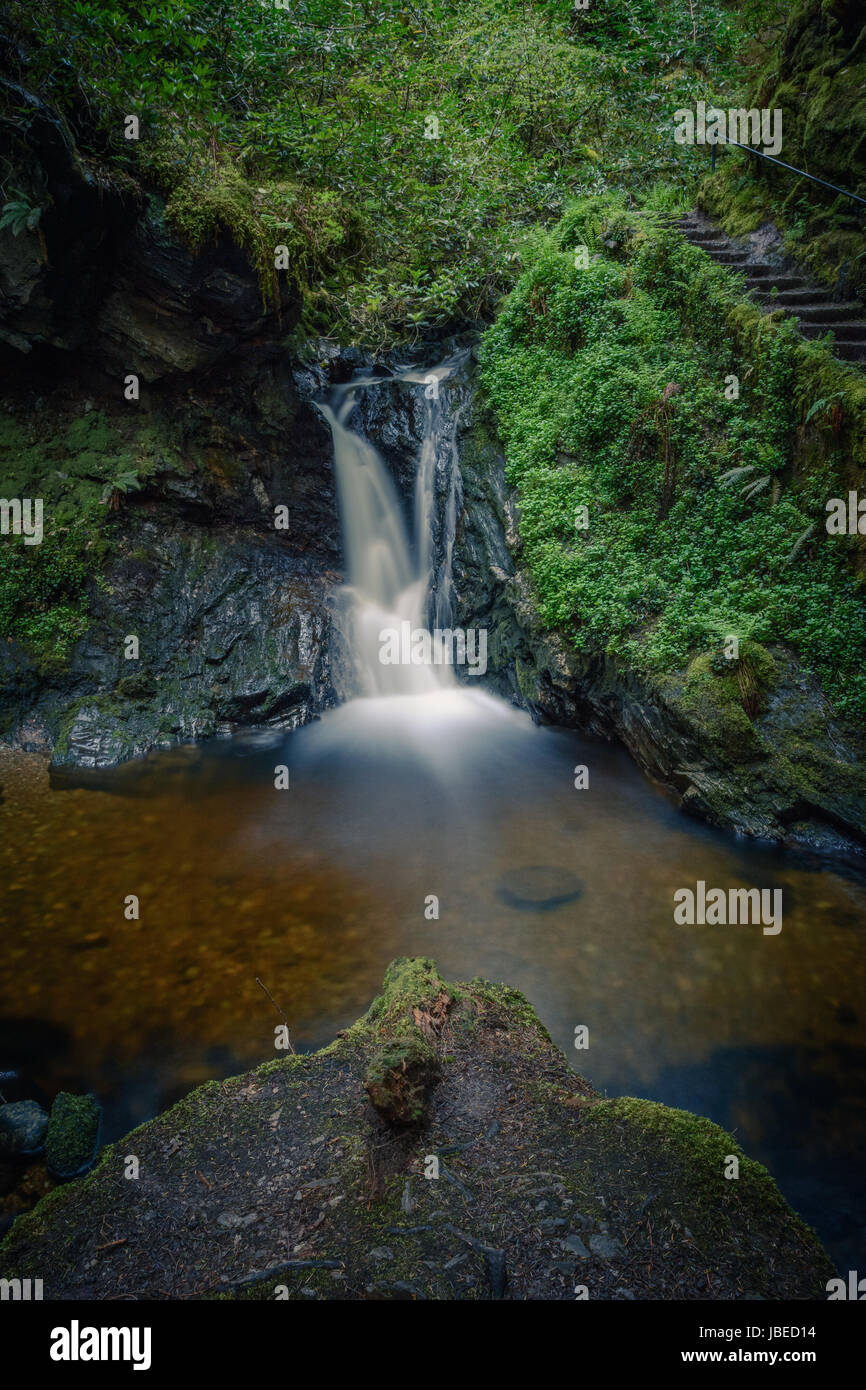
115,284
22,1128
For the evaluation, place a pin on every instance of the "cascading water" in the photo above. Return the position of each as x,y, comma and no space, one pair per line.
395,581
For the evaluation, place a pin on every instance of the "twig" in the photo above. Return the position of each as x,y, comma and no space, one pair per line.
279,1011
289,1266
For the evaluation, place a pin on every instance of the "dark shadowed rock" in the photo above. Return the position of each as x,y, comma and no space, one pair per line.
22,1128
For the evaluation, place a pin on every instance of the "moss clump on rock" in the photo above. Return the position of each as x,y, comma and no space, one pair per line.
722,698
72,1138
399,1078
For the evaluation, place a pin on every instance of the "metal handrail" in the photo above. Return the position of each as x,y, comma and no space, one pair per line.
792,167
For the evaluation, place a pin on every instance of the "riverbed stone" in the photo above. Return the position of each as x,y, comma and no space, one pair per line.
539,887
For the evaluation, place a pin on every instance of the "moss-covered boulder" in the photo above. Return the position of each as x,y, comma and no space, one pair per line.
515,1179
72,1138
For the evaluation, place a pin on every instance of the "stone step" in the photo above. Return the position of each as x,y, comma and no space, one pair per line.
769,274
798,294
812,306
842,332
829,313
850,332
783,284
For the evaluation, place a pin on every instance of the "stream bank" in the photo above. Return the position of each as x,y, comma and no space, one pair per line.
311,1177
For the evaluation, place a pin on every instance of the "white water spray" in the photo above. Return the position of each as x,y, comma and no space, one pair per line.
392,578
400,711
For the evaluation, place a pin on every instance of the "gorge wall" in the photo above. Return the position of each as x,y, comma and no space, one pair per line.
234,617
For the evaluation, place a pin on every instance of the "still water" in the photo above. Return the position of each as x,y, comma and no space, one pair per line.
566,894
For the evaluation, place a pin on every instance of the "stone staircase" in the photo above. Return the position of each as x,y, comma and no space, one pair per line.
775,285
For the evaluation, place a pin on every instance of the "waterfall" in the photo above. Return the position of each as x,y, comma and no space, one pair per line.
396,582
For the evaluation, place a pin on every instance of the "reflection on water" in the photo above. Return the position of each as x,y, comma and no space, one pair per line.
565,894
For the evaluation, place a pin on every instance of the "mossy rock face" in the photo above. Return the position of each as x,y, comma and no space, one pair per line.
715,693
72,1140
817,78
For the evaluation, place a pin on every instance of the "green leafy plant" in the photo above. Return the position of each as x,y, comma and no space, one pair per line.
120,487
577,366
19,215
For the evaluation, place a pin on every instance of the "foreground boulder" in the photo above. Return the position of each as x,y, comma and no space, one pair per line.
485,1168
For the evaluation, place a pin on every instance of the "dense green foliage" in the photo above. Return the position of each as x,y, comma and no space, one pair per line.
306,127
80,473
609,387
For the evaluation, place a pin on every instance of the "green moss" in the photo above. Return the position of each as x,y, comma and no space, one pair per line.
693,1153
714,698
580,367
399,1077
72,1138
409,981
